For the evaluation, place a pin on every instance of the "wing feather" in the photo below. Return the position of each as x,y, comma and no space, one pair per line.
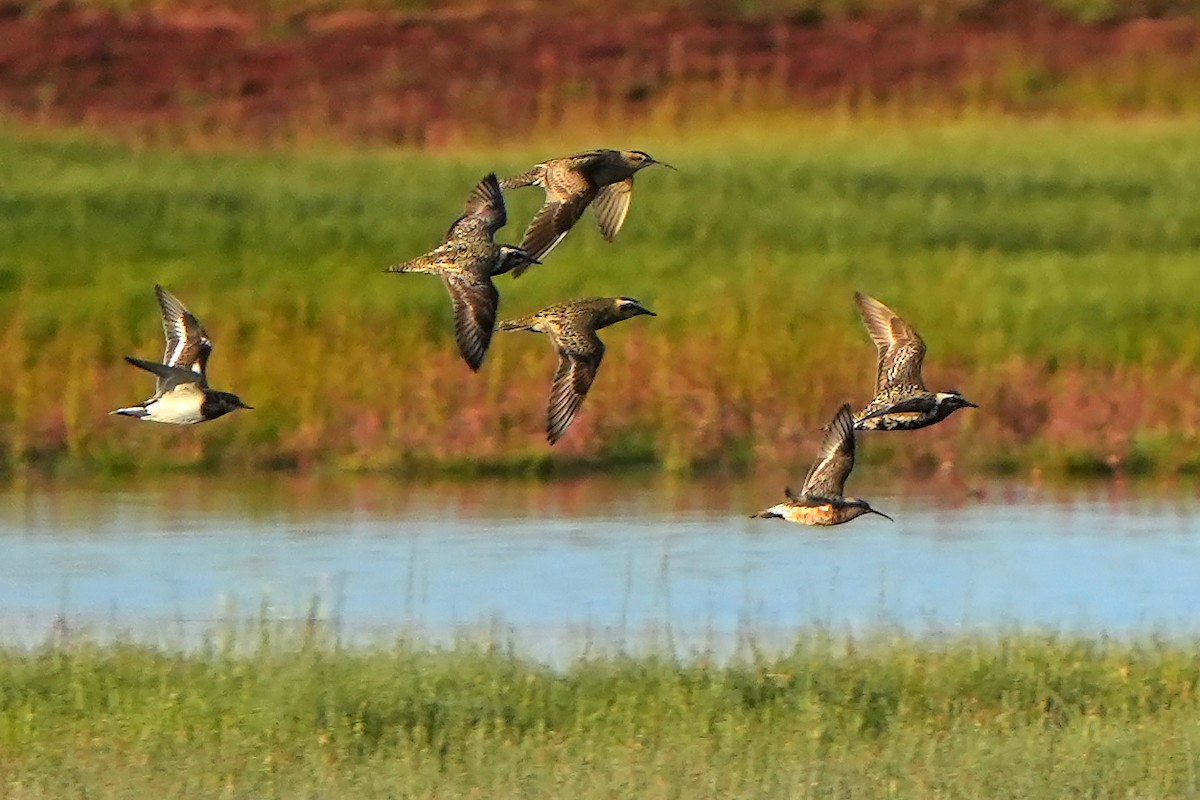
568,193
901,350
188,345
485,207
611,206
827,478
572,380
475,303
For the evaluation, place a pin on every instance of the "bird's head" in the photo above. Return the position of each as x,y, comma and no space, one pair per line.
858,507
218,404
638,159
627,307
513,258
952,401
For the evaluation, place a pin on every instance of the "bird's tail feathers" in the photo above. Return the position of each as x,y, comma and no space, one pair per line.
132,411
769,513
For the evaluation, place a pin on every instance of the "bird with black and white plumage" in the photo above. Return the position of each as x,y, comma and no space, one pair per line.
901,401
602,179
821,500
467,259
181,392
572,330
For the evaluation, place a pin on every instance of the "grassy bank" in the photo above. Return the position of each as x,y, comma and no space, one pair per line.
1049,265
1016,716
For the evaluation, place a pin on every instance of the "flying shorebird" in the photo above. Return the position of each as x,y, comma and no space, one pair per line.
821,502
181,393
901,401
574,182
572,328
466,260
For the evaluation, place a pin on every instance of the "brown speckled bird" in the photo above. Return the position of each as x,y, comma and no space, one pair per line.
466,260
601,178
821,502
901,401
572,329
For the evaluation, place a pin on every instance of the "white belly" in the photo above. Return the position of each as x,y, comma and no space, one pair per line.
179,407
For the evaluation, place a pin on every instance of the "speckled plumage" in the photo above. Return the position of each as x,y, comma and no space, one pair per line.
821,501
572,329
600,178
466,260
181,392
901,401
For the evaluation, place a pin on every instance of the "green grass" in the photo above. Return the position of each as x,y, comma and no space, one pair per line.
1018,715
1049,265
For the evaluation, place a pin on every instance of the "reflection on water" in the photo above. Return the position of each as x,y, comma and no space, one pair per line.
602,559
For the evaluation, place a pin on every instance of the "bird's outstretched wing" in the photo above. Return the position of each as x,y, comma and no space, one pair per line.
475,303
188,345
572,380
485,210
611,206
827,478
900,349
568,193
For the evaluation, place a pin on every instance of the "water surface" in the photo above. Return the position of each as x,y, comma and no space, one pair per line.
552,566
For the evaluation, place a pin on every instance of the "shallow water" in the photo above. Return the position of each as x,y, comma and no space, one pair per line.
552,566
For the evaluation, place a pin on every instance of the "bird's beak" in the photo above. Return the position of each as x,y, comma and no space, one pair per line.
665,164
969,404
880,513
251,408
648,312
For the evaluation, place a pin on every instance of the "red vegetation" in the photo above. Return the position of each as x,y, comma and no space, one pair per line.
432,79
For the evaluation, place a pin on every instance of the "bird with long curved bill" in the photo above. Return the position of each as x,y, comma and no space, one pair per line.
602,179
821,500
